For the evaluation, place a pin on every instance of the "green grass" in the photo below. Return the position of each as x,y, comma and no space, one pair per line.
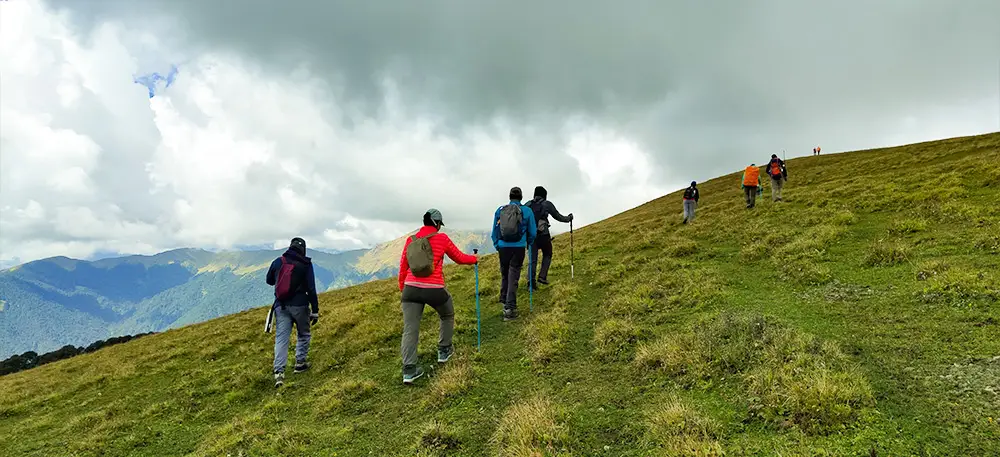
859,317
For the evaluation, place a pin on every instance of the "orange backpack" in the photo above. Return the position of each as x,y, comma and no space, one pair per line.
751,176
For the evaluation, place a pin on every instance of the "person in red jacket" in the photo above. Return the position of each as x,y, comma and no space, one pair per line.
418,291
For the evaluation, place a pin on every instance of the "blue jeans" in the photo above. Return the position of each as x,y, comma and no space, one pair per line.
284,317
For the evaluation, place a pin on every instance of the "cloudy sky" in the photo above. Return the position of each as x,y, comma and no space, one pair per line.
342,121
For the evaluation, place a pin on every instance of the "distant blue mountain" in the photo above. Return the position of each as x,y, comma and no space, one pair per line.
49,303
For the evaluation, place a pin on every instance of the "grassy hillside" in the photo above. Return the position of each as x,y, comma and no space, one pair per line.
859,317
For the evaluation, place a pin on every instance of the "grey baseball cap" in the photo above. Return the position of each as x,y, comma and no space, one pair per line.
435,215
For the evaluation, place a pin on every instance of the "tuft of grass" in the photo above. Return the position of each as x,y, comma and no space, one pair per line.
960,286
335,394
437,440
792,376
843,217
681,431
885,253
547,335
615,339
680,247
530,428
804,271
454,380
907,226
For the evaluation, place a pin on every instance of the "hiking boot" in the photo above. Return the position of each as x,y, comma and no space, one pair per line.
509,314
685,221
445,353
543,281
300,367
279,379
411,374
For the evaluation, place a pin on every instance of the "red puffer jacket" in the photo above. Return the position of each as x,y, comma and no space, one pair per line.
441,244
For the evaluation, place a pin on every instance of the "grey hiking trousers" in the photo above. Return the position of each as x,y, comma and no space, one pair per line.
412,302
777,183
689,207
285,317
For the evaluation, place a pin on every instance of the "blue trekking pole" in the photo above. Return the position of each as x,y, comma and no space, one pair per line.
479,338
531,280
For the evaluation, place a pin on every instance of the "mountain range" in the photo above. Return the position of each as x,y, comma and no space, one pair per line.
52,302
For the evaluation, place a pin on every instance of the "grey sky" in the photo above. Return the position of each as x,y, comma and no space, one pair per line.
702,88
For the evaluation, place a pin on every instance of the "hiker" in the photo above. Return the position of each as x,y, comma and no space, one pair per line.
421,281
542,208
294,283
690,201
776,170
751,182
814,151
514,230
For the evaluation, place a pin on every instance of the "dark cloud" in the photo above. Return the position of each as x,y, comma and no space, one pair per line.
704,86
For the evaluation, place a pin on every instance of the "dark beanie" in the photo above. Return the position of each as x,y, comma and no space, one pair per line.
515,193
299,245
541,192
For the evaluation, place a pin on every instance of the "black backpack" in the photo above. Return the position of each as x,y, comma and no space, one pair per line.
541,218
689,193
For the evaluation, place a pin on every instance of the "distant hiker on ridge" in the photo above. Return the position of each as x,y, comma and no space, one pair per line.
294,291
776,170
690,201
542,208
514,229
421,281
751,181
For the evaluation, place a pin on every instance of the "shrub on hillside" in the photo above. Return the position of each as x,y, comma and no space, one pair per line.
791,376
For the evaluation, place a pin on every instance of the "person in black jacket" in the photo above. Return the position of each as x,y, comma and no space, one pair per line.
691,196
776,170
542,209
294,310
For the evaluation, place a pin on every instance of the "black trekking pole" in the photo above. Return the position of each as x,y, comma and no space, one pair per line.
572,275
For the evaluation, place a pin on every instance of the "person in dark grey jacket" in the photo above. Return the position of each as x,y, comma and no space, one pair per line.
543,209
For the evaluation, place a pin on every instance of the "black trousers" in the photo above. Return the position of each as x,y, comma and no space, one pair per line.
544,243
511,261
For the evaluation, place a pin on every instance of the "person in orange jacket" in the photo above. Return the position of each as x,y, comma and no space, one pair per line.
751,183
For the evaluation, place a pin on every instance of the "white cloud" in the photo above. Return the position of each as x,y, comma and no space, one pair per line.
233,154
